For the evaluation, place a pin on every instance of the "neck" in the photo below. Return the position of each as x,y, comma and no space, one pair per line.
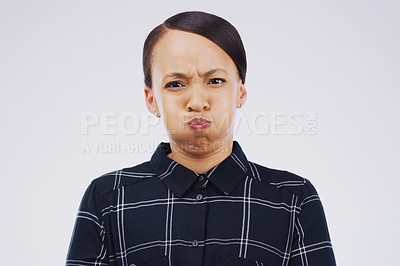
203,159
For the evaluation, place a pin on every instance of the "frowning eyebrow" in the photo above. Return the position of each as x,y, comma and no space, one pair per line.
182,75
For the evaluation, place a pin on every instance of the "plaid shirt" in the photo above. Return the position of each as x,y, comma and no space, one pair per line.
161,213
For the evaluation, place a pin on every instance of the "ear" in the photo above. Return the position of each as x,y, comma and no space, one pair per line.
241,95
151,102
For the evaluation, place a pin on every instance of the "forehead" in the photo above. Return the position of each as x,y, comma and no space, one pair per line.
179,50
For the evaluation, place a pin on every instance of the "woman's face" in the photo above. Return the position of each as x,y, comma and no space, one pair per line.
193,79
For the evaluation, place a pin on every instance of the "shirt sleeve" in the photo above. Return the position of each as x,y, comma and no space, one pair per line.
311,244
87,242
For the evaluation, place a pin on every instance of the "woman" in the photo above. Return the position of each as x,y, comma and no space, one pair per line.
199,201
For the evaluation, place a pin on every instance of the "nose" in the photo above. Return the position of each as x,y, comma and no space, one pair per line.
198,100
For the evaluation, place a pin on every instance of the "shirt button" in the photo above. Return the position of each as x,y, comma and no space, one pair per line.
195,243
199,197
200,178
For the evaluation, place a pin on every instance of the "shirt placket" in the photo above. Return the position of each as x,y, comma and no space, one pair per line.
198,226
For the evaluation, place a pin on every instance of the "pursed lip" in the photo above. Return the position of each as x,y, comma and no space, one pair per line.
198,123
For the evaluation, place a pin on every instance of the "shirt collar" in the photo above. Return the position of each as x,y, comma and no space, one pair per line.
225,176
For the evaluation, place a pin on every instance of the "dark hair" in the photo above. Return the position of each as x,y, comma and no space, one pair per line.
210,26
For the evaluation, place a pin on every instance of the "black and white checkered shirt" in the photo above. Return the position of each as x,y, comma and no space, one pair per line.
161,213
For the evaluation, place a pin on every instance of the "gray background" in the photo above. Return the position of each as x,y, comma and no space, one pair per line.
61,60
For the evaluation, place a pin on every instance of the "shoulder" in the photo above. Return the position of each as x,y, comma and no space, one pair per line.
113,180
283,180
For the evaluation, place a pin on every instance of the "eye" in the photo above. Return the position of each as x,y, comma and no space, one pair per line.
174,84
216,81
